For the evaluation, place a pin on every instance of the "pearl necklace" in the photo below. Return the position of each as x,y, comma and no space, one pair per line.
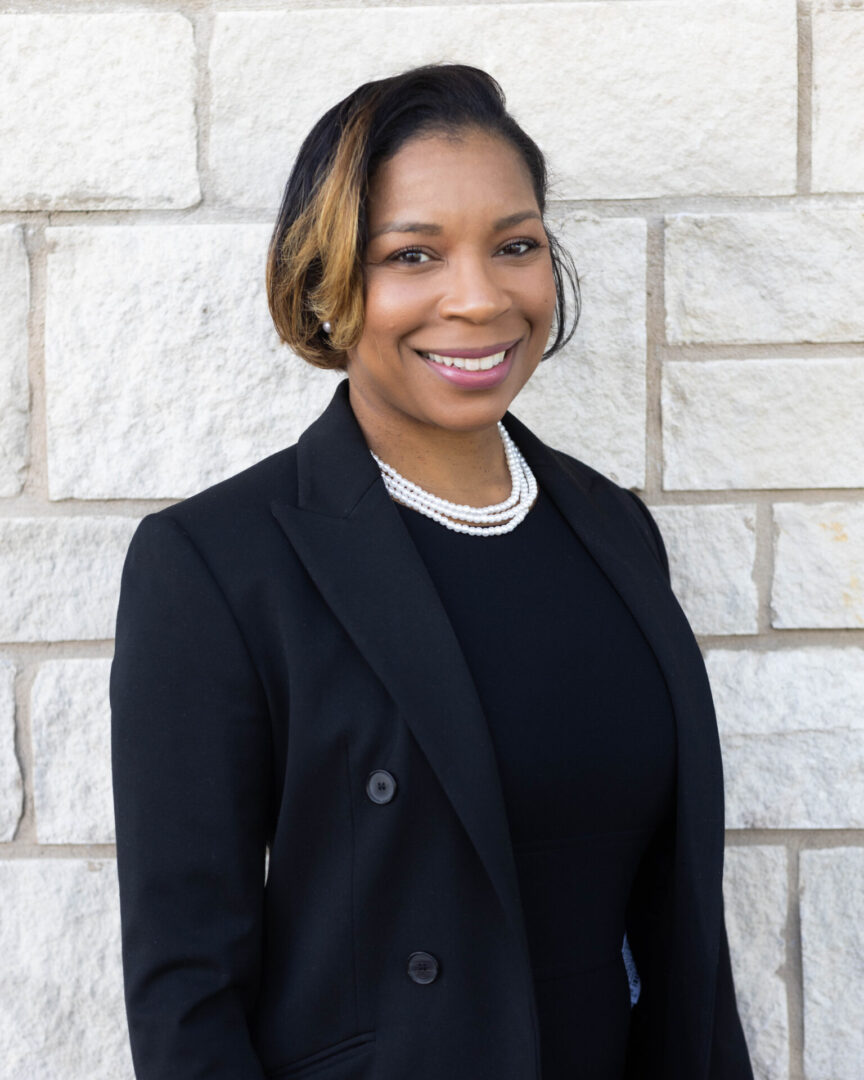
491,520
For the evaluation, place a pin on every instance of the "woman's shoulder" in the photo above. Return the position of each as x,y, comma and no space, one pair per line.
234,512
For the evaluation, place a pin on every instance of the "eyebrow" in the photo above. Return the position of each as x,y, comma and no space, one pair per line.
435,230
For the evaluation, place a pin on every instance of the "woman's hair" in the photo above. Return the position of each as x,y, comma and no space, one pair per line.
314,262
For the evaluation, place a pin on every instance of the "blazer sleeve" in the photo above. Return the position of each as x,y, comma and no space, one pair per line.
191,766
650,930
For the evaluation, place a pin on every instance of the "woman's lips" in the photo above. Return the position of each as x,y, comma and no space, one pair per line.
473,354
477,380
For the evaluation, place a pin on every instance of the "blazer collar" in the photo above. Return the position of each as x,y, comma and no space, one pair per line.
355,546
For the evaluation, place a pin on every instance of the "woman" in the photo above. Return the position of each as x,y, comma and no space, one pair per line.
431,664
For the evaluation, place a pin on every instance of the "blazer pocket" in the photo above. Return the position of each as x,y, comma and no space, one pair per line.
340,1053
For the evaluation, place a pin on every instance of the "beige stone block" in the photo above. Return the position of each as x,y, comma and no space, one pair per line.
838,101
832,945
767,423
70,722
99,111
14,305
818,566
11,786
780,276
755,892
712,551
60,576
61,994
792,732
164,371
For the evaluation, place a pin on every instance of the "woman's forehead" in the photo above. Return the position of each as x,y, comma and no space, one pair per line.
433,176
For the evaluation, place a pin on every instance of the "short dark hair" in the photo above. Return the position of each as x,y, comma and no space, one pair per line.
314,261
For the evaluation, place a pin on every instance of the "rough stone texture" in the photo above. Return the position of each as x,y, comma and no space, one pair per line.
61,998
715,81
770,277
818,565
838,101
164,372
71,732
60,576
11,787
792,731
755,894
589,399
98,111
712,550
14,303
769,423
832,940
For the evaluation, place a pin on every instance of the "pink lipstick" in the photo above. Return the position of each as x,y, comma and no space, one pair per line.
450,364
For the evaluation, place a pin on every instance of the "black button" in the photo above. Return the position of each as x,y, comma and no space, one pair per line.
422,967
381,786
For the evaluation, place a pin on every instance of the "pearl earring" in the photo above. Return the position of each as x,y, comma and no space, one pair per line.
326,327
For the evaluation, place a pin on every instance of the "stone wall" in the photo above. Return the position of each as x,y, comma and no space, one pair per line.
708,168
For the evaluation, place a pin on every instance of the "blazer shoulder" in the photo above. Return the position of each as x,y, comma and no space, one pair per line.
239,503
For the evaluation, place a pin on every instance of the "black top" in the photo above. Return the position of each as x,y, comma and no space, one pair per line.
582,724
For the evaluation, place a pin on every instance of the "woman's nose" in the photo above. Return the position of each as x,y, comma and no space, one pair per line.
473,291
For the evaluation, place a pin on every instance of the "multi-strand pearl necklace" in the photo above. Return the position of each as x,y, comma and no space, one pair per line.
491,520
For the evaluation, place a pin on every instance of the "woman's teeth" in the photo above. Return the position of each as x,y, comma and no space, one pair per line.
466,363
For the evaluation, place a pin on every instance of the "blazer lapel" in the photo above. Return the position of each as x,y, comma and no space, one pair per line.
699,825
351,538
641,584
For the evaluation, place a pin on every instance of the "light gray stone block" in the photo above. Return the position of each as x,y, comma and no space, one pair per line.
767,423
782,276
712,550
818,565
60,576
14,305
838,101
11,787
164,372
99,111
755,891
71,733
61,995
792,731
606,89
832,943
589,399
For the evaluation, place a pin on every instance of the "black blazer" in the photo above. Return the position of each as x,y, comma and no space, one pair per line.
278,641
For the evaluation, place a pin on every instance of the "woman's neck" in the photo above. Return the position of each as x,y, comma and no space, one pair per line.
463,466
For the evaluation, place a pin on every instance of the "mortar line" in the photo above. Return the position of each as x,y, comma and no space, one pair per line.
26,850
763,565
794,963
35,485
654,341
202,32
804,157
26,828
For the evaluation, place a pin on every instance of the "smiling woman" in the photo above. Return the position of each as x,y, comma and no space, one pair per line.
432,665
420,241
455,324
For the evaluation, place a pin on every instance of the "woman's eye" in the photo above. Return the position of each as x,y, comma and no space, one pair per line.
410,256
523,246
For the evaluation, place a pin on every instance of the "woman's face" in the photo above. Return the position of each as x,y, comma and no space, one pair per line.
458,277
